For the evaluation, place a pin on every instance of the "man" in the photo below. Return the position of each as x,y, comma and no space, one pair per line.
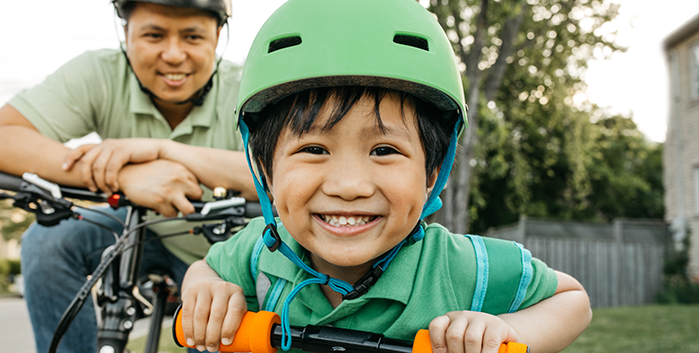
165,106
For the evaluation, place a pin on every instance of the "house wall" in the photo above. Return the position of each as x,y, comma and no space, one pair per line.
681,153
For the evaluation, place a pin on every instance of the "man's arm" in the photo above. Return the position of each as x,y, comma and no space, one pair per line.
24,149
213,167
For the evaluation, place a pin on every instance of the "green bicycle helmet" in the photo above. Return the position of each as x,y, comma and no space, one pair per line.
221,8
394,44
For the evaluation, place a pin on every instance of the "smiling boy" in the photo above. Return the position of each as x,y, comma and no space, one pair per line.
351,111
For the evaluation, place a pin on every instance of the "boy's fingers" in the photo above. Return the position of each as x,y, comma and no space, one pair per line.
200,319
455,335
438,333
231,323
473,337
188,319
492,339
216,315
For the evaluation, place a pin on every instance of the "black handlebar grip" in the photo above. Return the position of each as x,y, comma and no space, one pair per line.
10,182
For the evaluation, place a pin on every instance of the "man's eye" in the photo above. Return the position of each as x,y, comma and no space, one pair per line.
314,150
383,151
194,37
153,35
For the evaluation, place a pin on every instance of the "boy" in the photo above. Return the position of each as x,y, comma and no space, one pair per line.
352,111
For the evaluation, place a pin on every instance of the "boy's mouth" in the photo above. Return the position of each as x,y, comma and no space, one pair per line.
346,221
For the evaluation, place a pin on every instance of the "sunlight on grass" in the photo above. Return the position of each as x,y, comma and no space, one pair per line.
651,328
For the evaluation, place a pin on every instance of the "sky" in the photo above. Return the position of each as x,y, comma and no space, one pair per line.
41,35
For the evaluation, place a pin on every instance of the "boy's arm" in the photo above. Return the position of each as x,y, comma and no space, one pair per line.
553,323
547,326
211,308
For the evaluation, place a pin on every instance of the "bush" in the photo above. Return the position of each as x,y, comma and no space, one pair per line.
9,267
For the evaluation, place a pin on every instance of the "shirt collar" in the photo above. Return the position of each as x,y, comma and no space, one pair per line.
396,283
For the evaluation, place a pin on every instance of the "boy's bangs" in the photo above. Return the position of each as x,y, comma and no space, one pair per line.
307,105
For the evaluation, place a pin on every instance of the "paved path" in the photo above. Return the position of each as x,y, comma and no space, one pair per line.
15,329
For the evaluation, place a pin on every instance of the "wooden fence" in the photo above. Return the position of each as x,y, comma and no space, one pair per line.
618,264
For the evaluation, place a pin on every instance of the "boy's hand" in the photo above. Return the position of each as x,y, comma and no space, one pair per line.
469,332
211,309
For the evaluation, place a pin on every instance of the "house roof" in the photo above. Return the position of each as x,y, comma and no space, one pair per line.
687,29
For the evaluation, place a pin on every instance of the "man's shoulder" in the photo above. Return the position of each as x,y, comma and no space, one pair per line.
101,58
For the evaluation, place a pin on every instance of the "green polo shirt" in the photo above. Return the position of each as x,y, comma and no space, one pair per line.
97,91
426,279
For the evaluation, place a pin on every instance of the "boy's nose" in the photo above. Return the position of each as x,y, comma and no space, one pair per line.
349,181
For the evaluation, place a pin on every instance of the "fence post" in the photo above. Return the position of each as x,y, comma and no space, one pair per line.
618,285
522,231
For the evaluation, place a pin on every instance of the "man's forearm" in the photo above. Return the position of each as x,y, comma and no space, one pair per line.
26,150
213,167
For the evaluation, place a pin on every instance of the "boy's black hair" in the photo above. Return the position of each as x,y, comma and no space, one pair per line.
300,110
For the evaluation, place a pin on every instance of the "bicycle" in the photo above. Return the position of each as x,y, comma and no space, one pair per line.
261,332
116,278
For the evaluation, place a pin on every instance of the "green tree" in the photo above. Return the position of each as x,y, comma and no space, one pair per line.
522,63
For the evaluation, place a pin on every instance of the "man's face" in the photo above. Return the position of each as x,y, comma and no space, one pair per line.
172,50
351,193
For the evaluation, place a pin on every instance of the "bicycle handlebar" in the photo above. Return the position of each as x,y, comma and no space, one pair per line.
261,333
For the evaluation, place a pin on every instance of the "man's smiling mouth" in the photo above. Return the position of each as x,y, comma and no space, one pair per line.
175,77
346,221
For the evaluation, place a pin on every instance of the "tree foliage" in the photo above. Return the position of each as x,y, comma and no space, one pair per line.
532,146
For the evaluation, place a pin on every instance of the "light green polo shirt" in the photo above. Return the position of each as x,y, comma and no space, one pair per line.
97,91
426,279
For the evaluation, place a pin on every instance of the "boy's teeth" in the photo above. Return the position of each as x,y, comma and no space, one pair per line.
174,77
343,221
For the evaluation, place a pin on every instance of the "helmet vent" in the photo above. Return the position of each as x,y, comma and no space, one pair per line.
413,41
282,43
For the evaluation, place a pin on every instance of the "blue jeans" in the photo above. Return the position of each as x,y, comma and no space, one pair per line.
55,263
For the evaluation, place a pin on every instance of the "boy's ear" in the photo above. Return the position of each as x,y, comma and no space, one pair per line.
431,180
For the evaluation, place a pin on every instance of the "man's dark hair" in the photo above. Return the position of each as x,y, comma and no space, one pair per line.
299,111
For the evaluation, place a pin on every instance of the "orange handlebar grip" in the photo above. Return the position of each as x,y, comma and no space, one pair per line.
422,344
253,335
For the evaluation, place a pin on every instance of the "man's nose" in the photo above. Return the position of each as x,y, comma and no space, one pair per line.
174,53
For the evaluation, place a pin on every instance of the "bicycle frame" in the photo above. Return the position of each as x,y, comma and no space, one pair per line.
116,278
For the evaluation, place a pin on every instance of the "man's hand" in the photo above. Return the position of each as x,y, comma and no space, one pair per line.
470,332
101,163
161,185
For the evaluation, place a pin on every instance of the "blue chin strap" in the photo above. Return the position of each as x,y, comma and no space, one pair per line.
273,241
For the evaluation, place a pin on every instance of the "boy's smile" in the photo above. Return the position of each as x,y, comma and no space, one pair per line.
351,193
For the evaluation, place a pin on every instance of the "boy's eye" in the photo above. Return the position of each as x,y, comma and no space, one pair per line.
383,151
314,150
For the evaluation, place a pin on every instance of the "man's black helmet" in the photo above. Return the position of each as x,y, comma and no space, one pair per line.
222,8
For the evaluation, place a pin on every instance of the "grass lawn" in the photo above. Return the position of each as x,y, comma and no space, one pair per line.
643,329
650,328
